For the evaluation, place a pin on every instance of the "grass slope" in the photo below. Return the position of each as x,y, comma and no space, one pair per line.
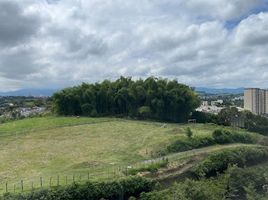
52,146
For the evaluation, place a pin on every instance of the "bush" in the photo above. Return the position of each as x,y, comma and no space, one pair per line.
144,111
219,136
219,161
152,167
237,183
121,189
247,182
190,190
186,144
222,136
259,129
189,132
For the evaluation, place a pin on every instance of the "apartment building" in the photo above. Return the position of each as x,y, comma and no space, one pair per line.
256,100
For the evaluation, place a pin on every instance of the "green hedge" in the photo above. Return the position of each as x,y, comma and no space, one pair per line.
121,189
240,156
219,136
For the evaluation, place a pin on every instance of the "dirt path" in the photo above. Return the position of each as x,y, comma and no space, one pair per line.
181,163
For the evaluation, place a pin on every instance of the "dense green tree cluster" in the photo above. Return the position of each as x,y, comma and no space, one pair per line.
152,98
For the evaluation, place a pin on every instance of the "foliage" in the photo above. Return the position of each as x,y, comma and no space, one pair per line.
248,183
222,136
151,98
252,122
256,123
219,136
237,183
241,156
202,117
211,189
152,167
189,132
121,189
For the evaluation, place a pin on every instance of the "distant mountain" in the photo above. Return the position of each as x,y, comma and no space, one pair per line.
50,92
219,91
30,92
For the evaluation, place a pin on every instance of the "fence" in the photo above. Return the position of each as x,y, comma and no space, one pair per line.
27,185
94,174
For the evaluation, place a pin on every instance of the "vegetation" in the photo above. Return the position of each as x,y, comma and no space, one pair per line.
15,108
101,149
212,189
219,136
151,167
237,183
152,98
241,156
121,189
189,132
45,123
252,122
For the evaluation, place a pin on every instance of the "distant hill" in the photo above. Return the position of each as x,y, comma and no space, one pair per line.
219,91
50,92
30,92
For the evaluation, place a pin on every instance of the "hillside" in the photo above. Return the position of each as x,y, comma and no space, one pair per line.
95,149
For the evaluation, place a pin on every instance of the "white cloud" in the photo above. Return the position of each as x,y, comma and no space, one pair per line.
58,43
221,9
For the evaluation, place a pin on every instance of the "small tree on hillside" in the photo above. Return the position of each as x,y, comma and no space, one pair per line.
189,132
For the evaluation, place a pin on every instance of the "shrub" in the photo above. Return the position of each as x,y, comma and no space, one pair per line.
121,189
240,156
219,136
185,144
222,136
189,132
237,183
190,190
247,182
152,167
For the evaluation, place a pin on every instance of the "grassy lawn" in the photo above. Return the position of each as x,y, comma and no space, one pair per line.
43,123
67,146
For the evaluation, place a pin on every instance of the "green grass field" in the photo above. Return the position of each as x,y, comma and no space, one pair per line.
66,146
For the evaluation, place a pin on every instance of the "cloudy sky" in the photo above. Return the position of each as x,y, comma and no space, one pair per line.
58,43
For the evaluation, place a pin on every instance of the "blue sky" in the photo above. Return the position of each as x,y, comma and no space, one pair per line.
212,43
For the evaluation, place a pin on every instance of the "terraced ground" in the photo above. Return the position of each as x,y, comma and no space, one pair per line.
66,149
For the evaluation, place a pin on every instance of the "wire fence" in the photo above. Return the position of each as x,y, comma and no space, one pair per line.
104,173
94,174
47,182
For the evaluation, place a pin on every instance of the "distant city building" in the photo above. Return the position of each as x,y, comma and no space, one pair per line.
218,102
256,100
204,103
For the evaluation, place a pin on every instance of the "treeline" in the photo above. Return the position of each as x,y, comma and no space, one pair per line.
151,98
251,122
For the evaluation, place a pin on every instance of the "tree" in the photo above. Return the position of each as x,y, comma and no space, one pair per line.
152,98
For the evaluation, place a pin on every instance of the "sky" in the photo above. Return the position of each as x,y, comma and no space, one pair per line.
59,43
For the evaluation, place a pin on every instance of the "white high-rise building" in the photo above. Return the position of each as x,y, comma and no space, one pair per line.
256,100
